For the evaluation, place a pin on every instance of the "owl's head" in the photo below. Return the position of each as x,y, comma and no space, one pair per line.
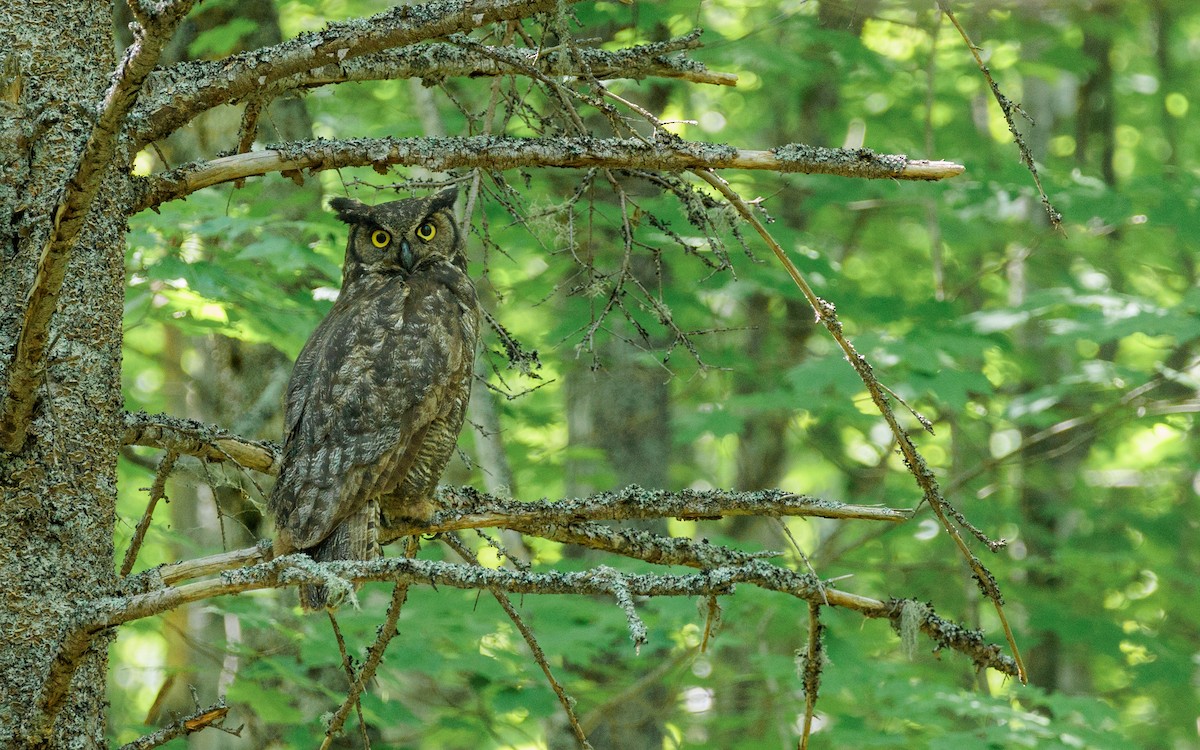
400,237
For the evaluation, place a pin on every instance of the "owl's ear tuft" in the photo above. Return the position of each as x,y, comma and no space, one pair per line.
350,210
443,199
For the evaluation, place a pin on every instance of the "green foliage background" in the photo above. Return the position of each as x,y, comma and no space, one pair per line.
1059,371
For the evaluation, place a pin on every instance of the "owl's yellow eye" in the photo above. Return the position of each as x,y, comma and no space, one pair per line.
380,238
426,231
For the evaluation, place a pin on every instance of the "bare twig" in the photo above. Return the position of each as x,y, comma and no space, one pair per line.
1009,108
348,667
813,662
567,702
157,492
79,192
499,153
387,631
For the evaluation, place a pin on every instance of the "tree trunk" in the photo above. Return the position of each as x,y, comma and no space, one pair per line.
58,490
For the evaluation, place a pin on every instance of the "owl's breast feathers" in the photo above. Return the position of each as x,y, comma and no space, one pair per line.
376,401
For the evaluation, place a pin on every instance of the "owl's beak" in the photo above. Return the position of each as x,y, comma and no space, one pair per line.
406,256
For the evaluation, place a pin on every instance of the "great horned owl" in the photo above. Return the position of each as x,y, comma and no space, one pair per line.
378,394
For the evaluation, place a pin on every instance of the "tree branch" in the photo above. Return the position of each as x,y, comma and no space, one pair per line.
493,152
295,569
465,508
189,437
182,727
926,480
79,193
157,492
187,89
435,61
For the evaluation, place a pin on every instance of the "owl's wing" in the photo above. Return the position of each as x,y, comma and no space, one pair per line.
363,392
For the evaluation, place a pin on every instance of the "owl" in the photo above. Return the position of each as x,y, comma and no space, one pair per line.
378,394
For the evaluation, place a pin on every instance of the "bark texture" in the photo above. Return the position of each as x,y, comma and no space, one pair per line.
57,493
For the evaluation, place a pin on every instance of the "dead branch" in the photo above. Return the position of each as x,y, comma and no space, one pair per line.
812,659
826,314
499,153
46,706
79,192
167,575
387,631
645,545
1009,109
157,492
194,722
189,437
465,508
200,86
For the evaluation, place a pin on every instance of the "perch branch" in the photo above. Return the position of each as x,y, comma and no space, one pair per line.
627,542
291,570
79,193
200,86
498,153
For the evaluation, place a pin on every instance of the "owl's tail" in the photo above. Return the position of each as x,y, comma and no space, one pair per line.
356,538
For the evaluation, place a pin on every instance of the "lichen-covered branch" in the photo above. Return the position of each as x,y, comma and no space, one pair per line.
78,194
499,153
45,706
295,569
465,508
198,86
437,61
1009,109
189,437
642,545
157,492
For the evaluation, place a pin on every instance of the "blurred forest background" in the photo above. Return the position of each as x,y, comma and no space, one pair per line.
1059,370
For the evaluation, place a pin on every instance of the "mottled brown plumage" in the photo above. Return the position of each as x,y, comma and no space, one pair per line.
378,394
